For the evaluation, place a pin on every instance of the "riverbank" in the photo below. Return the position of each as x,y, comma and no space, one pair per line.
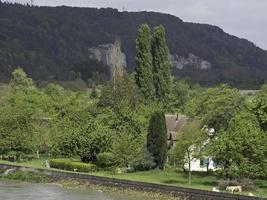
168,178
35,177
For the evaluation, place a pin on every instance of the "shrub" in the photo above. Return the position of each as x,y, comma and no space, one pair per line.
71,165
105,160
29,157
247,184
224,183
13,156
144,161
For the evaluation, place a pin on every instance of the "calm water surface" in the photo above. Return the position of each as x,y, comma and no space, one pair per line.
10,190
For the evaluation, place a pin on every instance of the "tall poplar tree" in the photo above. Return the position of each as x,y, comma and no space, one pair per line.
162,66
144,67
157,139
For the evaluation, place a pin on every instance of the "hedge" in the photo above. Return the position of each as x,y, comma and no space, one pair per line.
72,165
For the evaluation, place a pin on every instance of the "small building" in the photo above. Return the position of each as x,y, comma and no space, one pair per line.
203,164
175,124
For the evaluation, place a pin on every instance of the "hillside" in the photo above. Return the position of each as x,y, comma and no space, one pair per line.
52,43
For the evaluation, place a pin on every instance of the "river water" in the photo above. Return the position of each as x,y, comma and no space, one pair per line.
10,190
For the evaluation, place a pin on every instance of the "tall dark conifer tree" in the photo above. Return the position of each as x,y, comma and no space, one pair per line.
157,139
162,66
144,67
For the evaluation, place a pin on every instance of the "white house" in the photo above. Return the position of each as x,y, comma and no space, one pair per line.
202,165
175,124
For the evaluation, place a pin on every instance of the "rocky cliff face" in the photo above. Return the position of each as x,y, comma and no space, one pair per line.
193,61
110,55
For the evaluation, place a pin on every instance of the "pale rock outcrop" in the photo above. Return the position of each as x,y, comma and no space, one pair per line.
110,55
181,62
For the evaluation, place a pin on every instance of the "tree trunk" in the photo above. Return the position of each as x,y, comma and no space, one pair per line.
207,166
189,168
37,154
189,172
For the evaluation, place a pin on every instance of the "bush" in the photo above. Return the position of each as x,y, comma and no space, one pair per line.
224,183
13,156
105,160
28,157
144,161
72,166
247,184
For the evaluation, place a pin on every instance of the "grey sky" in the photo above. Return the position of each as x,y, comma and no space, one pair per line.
243,18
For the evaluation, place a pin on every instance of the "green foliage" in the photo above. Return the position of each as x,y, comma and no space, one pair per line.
123,91
242,148
144,67
161,64
72,166
105,160
54,90
80,131
182,92
113,130
94,142
260,106
216,106
20,80
23,121
94,93
189,146
144,161
125,148
157,138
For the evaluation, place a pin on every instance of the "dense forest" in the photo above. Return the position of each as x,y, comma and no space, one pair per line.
51,43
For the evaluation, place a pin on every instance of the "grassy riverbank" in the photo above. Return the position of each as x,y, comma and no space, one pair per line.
172,177
168,177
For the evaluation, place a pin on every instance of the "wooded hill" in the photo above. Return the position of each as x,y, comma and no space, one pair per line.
52,43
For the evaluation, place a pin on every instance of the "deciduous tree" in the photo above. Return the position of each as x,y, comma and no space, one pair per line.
241,148
216,106
190,145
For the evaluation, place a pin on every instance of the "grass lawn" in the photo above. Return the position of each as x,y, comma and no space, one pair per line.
168,177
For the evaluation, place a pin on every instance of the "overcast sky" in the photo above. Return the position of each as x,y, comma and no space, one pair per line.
243,18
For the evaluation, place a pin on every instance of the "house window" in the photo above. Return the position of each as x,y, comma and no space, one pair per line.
204,162
201,162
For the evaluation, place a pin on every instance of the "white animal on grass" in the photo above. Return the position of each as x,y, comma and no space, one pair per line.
234,188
